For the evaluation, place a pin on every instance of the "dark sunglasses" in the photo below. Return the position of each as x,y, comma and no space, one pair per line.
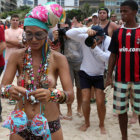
40,35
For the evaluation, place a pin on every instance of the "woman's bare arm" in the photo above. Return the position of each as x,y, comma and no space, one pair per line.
64,74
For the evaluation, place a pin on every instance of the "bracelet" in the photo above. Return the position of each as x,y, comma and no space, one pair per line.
64,98
5,91
2,91
58,96
55,95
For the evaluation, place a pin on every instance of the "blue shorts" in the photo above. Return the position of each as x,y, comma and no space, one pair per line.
87,81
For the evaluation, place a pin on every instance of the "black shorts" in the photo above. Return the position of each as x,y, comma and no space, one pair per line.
87,81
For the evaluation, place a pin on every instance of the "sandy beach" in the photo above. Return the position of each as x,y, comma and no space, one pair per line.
70,128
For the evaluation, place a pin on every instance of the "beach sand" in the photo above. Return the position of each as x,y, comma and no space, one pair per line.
70,128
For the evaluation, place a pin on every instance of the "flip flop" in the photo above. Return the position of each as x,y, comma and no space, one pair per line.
61,117
79,114
67,117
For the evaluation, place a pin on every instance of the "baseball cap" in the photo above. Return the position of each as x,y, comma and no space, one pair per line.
95,14
100,31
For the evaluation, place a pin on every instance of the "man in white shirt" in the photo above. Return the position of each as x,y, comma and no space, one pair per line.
92,68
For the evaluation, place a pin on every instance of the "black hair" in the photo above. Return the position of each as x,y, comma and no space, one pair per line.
131,3
68,22
14,16
104,8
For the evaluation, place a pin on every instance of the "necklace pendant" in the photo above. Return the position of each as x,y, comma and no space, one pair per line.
29,81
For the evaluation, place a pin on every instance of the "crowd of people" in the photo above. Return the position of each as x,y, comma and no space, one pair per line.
84,56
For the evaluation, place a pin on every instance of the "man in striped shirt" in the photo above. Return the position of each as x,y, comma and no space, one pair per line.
125,54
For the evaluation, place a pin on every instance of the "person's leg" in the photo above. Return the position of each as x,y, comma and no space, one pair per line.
79,102
92,100
69,106
134,116
69,112
86,108
100,101
121,105
136,99
78,90
123,122
60,114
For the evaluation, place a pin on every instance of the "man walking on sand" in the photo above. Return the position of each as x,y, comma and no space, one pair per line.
95,55
125,53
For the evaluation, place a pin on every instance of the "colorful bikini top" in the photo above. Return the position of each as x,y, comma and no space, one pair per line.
18,121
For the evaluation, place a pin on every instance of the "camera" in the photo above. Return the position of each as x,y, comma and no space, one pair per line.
99,32
62,31
90,40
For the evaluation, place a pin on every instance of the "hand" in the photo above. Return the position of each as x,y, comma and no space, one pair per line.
55,35
108,82
42,95
16,92
91,32
49,42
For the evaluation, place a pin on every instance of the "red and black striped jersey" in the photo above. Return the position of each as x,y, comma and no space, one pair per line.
126,44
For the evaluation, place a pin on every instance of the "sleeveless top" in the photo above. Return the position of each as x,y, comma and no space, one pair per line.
106,28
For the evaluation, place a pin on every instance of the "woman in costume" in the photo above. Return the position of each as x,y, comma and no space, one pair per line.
36,116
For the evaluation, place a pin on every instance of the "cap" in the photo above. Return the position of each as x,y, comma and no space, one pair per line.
100,31
95,14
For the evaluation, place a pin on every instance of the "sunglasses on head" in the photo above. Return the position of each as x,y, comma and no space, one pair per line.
40,35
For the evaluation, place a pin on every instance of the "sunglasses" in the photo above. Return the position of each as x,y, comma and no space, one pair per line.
40,35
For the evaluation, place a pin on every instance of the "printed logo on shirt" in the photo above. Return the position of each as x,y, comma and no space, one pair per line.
129,50
128,34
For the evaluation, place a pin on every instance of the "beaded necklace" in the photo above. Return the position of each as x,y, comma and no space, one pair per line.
42,75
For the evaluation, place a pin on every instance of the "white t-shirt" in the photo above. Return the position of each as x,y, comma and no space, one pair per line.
94,60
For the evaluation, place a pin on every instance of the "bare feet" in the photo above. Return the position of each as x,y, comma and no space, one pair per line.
102,130
68,116
84,127
61,117
115,115
79,113
133,120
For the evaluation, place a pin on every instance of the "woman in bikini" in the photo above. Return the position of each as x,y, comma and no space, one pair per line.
38,67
